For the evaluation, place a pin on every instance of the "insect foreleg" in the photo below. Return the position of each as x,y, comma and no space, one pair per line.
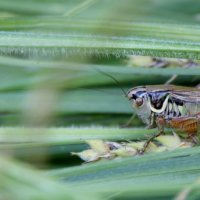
160,122
152,122
141,151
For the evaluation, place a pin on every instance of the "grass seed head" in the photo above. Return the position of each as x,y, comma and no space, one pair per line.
124,151
98,146
88,155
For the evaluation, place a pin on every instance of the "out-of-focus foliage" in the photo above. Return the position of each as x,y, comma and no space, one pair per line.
100,28
22,182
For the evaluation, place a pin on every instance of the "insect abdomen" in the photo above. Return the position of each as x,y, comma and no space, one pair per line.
188,125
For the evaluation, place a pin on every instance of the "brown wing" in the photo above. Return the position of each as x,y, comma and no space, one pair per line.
187,94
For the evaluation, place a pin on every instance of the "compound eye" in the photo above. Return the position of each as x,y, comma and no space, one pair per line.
139,102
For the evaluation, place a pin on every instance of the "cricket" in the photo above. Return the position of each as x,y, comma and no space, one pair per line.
165,106
170,106
158,106
161,107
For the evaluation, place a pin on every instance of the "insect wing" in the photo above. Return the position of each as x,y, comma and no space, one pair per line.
190,100
187,96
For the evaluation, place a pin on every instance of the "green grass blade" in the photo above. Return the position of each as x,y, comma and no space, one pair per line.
23,74
153,175
27,43
36,144
17,135
21,182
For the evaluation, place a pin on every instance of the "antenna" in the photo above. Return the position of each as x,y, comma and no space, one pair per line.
114,79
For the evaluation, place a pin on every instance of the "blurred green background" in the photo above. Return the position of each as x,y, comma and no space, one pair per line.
55,94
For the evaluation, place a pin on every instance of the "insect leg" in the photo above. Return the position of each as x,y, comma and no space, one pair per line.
195,140
185,64
152,124
128,123
171,79
141,151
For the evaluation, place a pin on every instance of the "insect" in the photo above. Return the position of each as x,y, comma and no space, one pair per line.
162,106
171,106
